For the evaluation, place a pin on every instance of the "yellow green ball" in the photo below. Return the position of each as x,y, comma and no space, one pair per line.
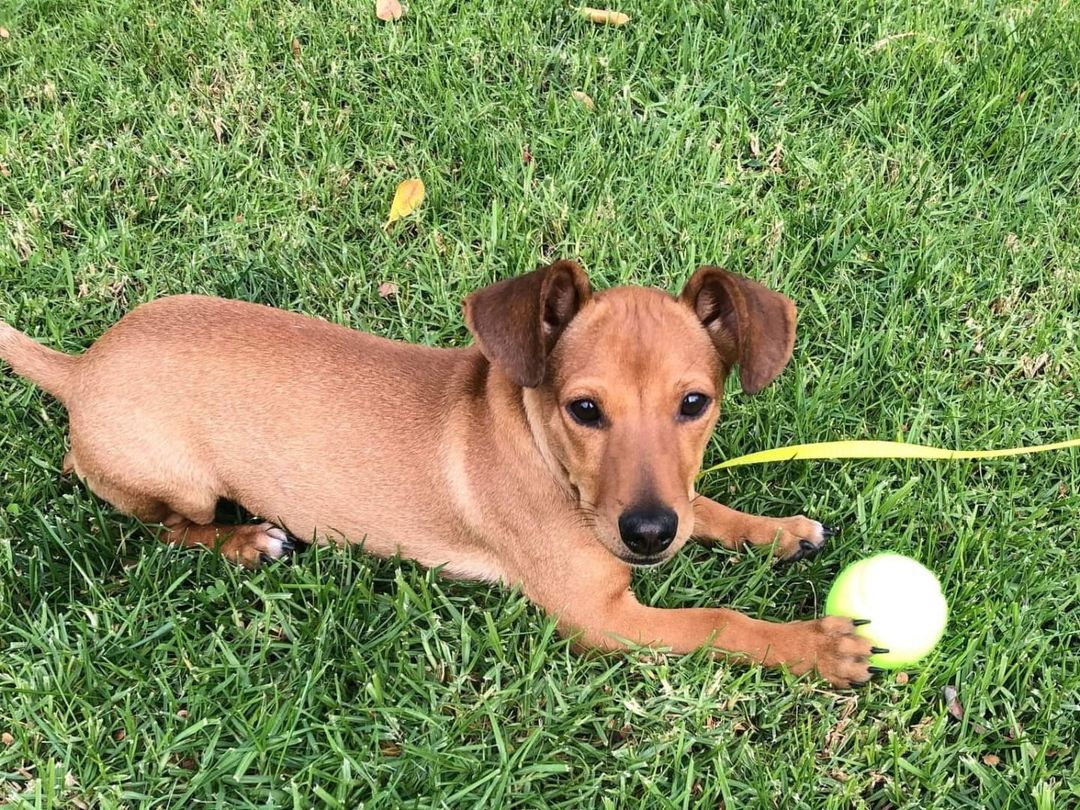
903,601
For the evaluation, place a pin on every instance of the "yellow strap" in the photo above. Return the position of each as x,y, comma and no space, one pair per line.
876,449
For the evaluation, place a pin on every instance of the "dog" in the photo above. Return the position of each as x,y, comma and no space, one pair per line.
555,454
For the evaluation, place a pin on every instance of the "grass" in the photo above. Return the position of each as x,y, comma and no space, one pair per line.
908,172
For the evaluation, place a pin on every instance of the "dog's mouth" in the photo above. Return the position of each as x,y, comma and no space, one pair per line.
644,561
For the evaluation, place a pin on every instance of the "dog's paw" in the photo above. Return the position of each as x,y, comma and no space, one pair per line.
839,655
792,538
257,544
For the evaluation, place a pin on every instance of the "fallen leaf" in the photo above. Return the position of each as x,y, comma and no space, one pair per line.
7,739
388,10
4,33
296,50
4,170
603,16
952,701
389,749
388,289
407,198
1012,242
901,677
776,158
755,146
585,99
119,735
219,127
1033,366
993,760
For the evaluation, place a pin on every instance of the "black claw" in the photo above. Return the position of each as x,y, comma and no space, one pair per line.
265,558
859,684
875,670
808,547
830,531
860,622
878,650
288,545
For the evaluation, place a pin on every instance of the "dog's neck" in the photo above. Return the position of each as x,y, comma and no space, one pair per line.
516,410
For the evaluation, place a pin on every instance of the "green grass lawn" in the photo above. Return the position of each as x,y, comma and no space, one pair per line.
909,175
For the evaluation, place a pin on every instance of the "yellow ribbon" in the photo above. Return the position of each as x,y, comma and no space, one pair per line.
876,449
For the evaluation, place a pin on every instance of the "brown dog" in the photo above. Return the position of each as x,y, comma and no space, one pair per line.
555,454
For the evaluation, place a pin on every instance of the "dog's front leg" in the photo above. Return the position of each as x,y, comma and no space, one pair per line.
828,645
795,538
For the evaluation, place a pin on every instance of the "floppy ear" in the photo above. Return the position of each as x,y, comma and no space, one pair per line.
517,321
749,324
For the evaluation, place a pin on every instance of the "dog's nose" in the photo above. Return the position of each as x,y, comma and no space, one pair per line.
648,530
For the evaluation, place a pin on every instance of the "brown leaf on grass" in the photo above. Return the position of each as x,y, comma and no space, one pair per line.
4,170
219,128
389,749
296,49
407,198
1031,367
388,289
755,145
388,10
585,99
1012,242
119,735
604,16
4,33
776,158
993,760
952,703
902,678
7,739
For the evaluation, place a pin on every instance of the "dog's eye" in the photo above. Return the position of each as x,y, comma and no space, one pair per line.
585,412
693,405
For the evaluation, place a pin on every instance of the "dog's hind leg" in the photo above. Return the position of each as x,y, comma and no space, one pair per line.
249,544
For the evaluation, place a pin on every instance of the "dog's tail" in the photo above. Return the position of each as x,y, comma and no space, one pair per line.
49,369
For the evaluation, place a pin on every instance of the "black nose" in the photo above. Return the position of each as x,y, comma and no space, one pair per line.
648,530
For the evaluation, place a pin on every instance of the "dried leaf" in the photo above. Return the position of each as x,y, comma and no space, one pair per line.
4,33
296,50
1012,242
993,760
1033,366
755,145
902,677
219,128
585,99
407,198
526,155
7,739
388,10
388,289
4,170
603,16
119,735
952,701
389,749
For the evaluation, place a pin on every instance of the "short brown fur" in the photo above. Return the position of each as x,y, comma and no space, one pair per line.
468,459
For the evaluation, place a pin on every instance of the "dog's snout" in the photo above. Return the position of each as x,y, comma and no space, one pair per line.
648,530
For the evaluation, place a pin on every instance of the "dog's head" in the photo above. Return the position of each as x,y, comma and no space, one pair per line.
623,387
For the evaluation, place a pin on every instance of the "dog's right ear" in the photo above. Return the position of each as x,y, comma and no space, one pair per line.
517,321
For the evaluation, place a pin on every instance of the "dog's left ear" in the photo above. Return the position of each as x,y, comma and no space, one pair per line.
517,321
749,324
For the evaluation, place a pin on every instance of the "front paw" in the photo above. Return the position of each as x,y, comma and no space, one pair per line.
793,538
837,654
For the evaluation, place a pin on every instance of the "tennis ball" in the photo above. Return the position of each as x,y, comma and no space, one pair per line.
902,600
